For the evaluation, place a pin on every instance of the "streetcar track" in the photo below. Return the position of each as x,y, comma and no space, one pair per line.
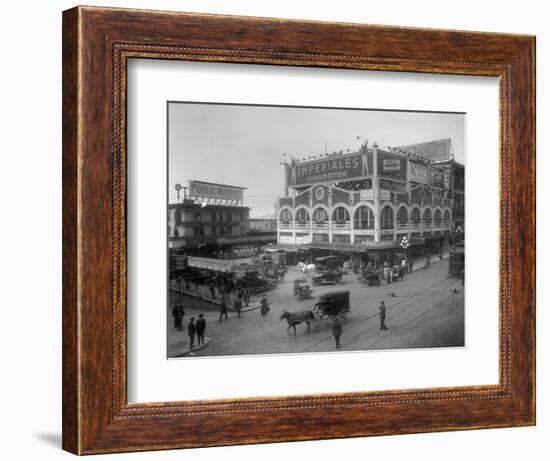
419,293
394,330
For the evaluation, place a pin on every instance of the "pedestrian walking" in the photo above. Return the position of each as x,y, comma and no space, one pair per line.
264,305
201,328
337,331
246,296
191,330
178,313
223,309
383,316
427,265
410,264
238,306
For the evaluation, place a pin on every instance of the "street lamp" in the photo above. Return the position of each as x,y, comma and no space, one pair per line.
179,187
404,243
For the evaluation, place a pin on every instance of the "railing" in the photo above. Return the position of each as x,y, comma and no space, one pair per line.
363,231
427,226
341,225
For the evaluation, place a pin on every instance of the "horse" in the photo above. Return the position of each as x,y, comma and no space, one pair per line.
295,318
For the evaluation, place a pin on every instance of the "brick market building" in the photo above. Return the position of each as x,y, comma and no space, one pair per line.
212,221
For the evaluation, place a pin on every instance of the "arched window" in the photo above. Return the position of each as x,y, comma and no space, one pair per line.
447,217
302,216
437,216
320,215
415,215
427,215
364,218
402,215
386,218
340,215
285,216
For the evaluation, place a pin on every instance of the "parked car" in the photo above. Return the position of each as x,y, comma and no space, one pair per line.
257,283
327,278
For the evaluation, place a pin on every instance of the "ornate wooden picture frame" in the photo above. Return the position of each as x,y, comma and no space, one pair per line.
97,44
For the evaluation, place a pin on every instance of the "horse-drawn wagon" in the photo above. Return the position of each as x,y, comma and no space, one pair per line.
330,306
334,304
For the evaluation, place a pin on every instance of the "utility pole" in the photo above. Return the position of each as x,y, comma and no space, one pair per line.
376,192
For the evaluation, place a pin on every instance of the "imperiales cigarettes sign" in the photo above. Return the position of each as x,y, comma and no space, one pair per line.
347,167
334,168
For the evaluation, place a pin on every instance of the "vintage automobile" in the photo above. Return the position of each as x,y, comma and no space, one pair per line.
327,278
370,278
257,283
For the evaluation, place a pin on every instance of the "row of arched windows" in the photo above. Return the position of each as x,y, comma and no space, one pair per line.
364,217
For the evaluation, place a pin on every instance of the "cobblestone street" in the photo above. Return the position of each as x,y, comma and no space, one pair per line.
423,310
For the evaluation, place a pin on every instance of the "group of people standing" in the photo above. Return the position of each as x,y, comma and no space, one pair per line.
196,329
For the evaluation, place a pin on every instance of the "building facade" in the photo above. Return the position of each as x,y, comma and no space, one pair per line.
367,201
213,222
190,222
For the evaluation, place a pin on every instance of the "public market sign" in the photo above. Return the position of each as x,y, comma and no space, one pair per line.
207,190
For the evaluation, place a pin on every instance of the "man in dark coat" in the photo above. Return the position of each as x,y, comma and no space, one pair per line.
178,313
383,316
337,331
246,296
223,309
238,306
191,330
200,327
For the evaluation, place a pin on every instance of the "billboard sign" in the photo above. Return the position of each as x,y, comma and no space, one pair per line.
418,172
437,176
366,194
331,169
208,190
391,165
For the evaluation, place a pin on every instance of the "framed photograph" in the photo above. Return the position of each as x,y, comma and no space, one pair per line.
282,230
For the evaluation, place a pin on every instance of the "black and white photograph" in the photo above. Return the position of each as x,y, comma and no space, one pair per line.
313,229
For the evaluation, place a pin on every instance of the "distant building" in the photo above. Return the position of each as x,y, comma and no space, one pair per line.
365,202
263,225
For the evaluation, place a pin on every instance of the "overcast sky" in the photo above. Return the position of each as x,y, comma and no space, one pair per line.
244,145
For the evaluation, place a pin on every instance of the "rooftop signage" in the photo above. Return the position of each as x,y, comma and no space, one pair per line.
330,169
208,190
